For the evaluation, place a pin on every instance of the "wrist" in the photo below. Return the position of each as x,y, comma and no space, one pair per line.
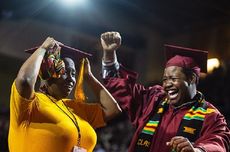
90,79
42,48
109,62
109,56
41,51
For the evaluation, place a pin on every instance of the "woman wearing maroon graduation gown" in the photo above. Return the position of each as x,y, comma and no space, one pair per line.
171,117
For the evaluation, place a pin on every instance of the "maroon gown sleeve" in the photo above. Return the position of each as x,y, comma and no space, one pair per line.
132,97
215,135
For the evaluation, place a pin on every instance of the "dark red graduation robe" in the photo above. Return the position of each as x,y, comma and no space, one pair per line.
138,102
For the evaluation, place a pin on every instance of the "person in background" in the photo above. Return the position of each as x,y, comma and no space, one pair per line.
48,121
174,116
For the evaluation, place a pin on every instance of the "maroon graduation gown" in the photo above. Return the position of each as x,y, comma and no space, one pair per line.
138,102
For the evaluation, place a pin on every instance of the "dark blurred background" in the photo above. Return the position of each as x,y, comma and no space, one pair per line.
145,26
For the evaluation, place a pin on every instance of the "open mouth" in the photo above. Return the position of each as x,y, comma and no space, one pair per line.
173,94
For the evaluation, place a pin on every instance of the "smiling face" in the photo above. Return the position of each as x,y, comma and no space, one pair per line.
62,87
177,85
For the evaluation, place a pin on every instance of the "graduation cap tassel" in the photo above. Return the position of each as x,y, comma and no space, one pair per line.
79,92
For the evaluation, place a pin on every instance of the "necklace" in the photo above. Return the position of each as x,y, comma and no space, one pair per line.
74,120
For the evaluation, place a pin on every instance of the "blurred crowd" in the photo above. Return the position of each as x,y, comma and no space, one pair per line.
115,137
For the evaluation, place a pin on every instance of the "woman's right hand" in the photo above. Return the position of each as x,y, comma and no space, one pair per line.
48,43
87,69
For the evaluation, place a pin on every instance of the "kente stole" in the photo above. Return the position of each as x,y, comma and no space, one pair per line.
190,125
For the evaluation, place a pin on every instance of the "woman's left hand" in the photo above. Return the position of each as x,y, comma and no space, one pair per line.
87,69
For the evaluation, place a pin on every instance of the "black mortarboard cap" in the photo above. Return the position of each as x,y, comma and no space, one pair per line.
66,51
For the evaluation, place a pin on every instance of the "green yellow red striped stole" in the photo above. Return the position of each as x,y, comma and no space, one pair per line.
190,125
150,127
145,137
192,121
197,113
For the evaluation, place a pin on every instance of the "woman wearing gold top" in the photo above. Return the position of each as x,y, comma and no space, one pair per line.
47,121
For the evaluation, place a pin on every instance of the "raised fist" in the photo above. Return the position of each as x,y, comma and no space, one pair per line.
110,41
